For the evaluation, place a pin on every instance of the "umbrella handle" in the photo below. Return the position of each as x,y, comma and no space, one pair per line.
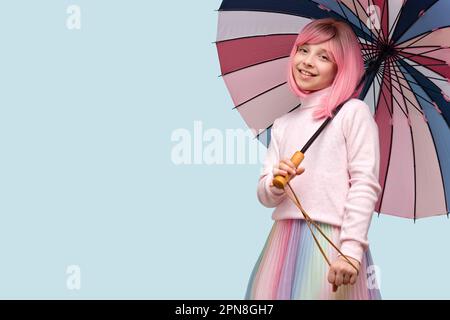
280,181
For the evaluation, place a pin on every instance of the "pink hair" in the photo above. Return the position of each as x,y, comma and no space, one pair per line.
350,65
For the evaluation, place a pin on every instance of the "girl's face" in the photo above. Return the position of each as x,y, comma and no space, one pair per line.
313,67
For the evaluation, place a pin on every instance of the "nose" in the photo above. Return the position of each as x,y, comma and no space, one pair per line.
307,60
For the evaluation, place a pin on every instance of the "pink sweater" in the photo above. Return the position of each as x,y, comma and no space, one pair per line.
340,183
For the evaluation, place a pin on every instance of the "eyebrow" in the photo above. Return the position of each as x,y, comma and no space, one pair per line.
320,50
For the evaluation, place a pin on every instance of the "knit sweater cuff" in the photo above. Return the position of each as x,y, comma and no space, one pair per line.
353,249
273,190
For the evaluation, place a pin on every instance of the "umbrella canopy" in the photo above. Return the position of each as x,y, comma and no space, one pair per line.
408,91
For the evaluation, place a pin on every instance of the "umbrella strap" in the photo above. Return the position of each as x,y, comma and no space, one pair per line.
309,221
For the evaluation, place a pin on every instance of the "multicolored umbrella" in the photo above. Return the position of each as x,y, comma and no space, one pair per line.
408,91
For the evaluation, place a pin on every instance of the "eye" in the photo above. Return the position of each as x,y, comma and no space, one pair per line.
303,50
324,58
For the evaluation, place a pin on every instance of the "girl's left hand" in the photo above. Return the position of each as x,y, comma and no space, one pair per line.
341,272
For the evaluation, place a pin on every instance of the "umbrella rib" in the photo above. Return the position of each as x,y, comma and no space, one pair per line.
381,83
359,21
374,96
394,25
412,144
375,102
438,160
379,34
424,46
390,148
404,53
267,11
346,17
419,84
429,77
272,123
423,35
367,52
444,63
351,24
410,89
253,65
371,51
409,27
279,12
370,55
386,36
255,36
396,71
370,48
397,102
428,65
415,93
260,94
420,38
434,78
387,19
378,76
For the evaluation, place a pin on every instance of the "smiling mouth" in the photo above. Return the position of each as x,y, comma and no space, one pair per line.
306,73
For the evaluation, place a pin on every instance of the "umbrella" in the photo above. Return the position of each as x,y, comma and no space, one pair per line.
406,49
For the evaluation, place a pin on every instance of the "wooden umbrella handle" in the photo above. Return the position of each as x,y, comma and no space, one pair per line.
280,181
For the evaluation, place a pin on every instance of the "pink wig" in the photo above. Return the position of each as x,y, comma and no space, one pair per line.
345,51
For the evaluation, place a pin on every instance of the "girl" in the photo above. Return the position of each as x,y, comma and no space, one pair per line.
338,186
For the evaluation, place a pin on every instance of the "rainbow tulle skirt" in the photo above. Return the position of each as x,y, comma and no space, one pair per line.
291,267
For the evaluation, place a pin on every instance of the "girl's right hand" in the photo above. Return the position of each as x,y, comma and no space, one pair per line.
284,167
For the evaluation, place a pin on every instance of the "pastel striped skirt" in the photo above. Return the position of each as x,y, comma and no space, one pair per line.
291,267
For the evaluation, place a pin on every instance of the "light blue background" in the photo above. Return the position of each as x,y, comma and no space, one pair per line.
86,176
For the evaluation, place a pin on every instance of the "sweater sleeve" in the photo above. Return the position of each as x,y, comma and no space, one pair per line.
363,155
270,197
